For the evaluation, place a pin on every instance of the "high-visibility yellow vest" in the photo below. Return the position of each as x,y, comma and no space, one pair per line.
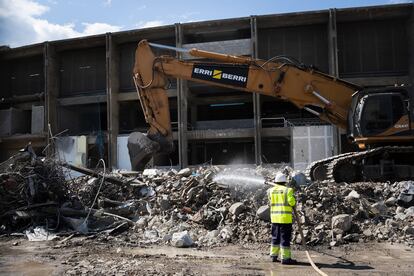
281,200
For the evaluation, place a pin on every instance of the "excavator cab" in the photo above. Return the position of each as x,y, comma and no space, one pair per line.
384,113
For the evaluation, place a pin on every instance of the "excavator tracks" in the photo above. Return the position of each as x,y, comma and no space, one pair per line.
355,166
317,170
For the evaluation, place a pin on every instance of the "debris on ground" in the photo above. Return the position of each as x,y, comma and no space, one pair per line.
193,206
338,213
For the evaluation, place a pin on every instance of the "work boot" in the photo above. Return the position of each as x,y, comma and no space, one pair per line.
274,259
289,261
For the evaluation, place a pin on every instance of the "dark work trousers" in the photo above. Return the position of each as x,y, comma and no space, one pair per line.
281,236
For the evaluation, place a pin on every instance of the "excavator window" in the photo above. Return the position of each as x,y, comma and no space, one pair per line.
381,112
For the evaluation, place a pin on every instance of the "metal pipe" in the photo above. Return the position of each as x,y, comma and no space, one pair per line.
160,46
205,54
312,111
320,97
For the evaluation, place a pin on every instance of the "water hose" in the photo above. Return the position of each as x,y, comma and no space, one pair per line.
320,272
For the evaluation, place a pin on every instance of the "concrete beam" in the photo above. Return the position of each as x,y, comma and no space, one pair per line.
112,88
216,26
247,98
24,51
51,71
133,96
154,33
333,69
17,142
381,81
374,12
81,100
410,33
182,91
256,97
234,133
292,19
79,42
236,47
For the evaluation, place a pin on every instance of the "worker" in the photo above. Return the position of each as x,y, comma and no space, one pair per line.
281,201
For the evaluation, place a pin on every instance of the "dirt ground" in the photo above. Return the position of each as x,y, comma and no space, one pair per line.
84,256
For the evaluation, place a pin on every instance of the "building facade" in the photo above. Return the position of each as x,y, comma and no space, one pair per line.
83,86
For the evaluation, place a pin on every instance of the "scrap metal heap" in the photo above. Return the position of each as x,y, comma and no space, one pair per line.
188,208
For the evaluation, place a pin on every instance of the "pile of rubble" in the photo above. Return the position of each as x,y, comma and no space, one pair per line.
340,213
190,207
31,188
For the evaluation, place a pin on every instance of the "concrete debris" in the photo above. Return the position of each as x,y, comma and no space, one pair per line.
263,213
352,195
39,234
190,207
341,223
391,201
367,209
408,230
237,208
406,196
181,239
379,208
184,172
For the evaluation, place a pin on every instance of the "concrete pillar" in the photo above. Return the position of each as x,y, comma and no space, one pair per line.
333,70
410,32
112,90
51,71
182,106
256,97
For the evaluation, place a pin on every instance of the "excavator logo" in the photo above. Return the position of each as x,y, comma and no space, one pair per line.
217,74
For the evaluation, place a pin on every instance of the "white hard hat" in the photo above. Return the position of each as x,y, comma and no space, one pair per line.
280,178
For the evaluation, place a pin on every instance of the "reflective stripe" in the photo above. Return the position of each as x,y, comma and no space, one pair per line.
274,250
281,212
285,253
286,195
281,204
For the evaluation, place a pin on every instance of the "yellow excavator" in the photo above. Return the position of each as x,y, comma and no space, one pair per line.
379,121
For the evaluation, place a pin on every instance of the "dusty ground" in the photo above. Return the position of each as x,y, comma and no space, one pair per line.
83,256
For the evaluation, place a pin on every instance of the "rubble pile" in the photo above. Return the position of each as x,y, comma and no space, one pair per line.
190,204
191,207
358,212
30,190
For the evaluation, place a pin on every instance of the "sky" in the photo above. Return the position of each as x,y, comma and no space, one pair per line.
25,22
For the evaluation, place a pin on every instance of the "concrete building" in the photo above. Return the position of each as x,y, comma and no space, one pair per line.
83,87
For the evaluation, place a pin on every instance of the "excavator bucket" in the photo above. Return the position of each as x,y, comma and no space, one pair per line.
143,147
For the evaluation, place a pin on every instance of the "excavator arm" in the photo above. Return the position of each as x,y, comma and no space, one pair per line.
323,95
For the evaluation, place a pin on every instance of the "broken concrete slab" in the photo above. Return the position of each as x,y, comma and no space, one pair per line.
181,239
237,208
341,223
263,213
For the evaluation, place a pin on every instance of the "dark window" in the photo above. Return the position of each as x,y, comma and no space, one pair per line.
398,109
378,114
308,44
26,76
83,72
372,48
